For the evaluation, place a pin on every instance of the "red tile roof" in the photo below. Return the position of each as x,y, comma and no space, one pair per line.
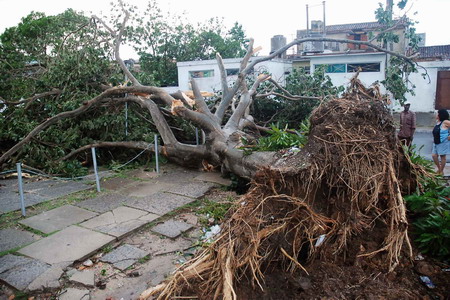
442,52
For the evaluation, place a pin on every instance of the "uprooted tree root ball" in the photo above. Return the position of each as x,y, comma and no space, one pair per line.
337,201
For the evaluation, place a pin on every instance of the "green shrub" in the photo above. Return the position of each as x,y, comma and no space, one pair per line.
279,139
430,214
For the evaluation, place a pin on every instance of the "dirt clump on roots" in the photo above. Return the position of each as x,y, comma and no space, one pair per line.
327,222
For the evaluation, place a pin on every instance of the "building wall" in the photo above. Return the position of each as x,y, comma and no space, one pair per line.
338,79
277,68
425,91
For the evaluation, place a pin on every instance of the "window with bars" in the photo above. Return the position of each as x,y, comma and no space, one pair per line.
363,67
333,68
350,68
201,74
231,72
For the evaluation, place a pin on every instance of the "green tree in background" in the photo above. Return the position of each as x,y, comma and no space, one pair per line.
163,39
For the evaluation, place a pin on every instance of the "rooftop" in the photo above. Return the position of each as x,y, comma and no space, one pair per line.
442,52
355,27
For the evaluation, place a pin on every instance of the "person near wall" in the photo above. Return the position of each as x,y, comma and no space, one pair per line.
407,125
441,140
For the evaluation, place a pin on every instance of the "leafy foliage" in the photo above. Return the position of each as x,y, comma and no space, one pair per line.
430,211
163,39
279,139
62,52
398,70
293,112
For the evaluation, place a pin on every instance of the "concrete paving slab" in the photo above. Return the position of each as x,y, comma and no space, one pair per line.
118,222
194,189
178,177
68,245
127,288
74,294
85,277
160,203
38,185
214,177
172,228
188,218
10,200
61,189
58,218
47,280
117,183
124,256
19,271
149,217
11,238
146,188
103,203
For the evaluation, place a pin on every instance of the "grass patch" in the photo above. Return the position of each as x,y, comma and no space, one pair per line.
3,253
107,249
216,210
144,259
35,231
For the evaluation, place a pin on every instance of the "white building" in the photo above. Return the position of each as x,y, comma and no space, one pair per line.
207,73
342,67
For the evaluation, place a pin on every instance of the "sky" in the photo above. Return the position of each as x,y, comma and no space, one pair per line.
260,19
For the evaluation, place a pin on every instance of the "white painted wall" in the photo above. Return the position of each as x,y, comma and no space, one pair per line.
213,84
425,91
339,79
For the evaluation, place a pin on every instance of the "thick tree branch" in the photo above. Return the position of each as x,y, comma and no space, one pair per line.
245,101
223,75
130,144
226,99
204,121
201,104
160,122
33,98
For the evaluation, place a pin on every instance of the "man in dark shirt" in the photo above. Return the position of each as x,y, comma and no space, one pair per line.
407,125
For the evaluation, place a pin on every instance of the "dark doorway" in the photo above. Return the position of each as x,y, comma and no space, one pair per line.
443,90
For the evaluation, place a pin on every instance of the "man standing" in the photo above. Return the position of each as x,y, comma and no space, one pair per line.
407,125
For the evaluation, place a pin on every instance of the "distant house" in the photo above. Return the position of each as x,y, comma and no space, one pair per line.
433,92
354,31
207,73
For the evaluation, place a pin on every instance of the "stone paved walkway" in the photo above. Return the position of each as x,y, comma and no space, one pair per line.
70,234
